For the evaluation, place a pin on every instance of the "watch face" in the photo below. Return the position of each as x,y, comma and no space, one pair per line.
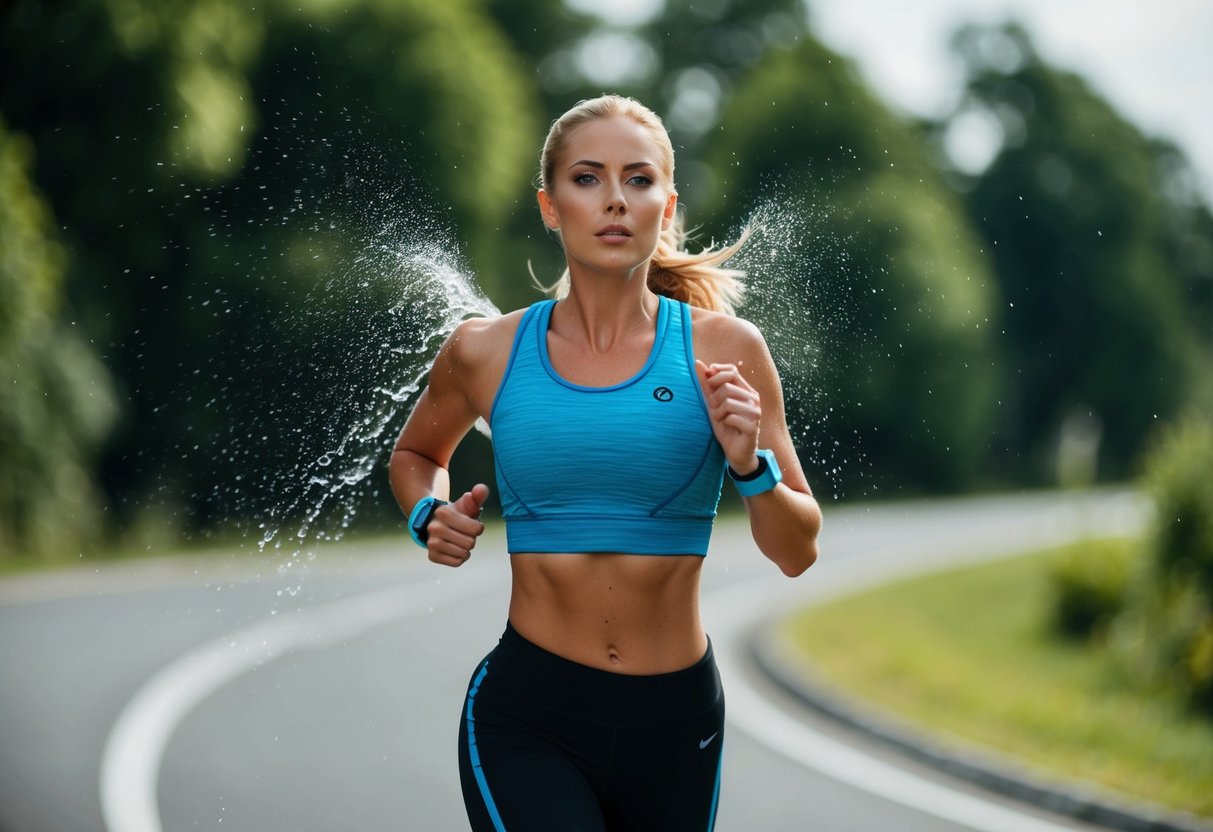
419,519
423,519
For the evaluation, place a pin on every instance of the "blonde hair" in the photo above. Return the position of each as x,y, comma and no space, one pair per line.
699,279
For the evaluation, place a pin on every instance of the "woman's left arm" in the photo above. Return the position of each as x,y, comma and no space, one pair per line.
745,403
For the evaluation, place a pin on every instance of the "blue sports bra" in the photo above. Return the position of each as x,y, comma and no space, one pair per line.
632,468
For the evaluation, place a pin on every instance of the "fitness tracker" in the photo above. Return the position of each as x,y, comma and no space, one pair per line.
763,478
419,519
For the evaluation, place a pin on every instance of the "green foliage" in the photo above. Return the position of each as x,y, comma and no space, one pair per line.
233,187
232,179
896,291
1092,237
1179,478
1158,619
704,50
1090,586
57,405
1168,633
965,653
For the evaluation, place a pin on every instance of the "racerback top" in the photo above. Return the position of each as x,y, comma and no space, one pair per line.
632,467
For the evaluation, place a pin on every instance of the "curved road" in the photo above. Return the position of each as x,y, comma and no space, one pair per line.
227,695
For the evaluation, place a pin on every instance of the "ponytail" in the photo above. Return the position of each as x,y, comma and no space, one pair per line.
698,279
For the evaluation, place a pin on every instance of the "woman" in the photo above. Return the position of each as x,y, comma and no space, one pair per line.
615,411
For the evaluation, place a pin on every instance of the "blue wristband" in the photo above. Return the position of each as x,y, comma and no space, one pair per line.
762,479
419,519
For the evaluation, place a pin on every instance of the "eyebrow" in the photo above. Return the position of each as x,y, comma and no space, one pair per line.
599,165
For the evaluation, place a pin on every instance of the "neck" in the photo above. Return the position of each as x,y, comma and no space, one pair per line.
602,312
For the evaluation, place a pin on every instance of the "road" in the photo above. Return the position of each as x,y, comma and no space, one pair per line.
236,694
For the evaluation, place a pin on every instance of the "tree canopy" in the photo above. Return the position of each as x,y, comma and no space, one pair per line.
1093,240
223,229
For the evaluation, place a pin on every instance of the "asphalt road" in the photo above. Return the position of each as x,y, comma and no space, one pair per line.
232,695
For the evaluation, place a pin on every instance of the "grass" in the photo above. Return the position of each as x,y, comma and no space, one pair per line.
969,654
228,544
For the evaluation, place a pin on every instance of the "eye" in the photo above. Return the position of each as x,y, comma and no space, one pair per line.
585,179
641,180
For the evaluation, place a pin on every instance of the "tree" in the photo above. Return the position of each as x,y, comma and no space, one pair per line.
1096,240
881,275
58,404
214,163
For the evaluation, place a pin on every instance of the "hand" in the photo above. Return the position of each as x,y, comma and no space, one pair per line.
735,410
455,527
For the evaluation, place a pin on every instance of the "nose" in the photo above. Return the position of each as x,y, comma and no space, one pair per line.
615,203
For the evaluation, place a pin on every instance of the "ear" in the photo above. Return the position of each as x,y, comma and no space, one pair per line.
671,208
548,210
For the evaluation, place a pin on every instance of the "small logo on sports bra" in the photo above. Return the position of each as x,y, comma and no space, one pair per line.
663,394
705,743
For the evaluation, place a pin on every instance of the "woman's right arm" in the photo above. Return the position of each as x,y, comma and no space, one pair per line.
443,415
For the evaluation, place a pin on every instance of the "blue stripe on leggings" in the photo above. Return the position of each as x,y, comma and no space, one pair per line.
494,815
716,790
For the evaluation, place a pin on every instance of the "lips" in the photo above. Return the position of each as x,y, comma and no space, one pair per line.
613,231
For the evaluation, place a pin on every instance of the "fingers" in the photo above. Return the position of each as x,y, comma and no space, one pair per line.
728,393
455,527
449,546
715,376
472,501
735,408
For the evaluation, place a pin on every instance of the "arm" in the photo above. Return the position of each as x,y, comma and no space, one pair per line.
745,401
443,415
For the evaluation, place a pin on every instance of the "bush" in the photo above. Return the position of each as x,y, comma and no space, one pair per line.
1090,584
1173,619
1179,478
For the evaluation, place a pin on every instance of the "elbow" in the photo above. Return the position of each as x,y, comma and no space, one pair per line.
806,555
396,465
398,457
797,566
403,461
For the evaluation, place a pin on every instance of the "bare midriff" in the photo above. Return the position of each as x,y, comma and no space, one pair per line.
634,614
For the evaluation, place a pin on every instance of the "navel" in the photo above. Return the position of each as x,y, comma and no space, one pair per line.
613,655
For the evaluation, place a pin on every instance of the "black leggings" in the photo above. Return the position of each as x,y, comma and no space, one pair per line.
549,745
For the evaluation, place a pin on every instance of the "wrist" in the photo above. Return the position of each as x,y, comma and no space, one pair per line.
764,477
420,517
752,464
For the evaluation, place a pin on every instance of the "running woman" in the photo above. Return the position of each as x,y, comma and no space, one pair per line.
617,409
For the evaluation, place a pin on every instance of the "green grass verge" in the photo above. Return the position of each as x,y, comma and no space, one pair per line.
968,653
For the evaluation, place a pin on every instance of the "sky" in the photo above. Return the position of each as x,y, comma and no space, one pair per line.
1152,59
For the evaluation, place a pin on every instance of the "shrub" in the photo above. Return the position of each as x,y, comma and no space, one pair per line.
1176,607
1090,585
1179,479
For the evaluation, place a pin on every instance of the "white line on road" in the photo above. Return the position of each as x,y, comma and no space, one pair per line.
131,760
732,612
130,764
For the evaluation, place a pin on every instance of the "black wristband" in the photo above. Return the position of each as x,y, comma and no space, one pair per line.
753,475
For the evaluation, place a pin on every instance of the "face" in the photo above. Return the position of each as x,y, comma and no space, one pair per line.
609,196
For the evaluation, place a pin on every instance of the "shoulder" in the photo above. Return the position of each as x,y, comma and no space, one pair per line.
479,340
726,339
472,361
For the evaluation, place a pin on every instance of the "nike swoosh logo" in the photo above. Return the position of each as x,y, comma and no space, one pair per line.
705,743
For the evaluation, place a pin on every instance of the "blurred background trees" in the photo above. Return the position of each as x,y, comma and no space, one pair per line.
1092,230
206,207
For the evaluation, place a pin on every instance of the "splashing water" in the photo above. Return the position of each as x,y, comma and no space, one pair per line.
436,293
389,287
799,292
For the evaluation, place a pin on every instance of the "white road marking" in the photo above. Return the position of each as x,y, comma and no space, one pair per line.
133,752
731,611
130,764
